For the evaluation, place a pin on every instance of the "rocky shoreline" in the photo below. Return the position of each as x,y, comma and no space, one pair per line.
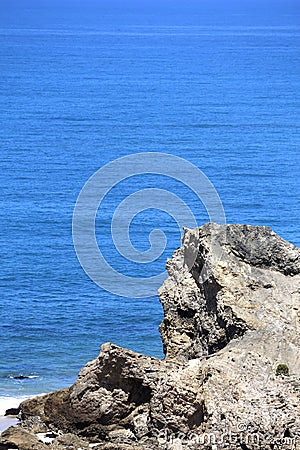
230,378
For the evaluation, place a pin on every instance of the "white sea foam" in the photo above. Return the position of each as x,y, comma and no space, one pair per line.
6,422
23,377
10,402
7,403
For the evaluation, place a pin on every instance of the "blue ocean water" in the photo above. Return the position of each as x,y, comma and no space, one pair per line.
82,85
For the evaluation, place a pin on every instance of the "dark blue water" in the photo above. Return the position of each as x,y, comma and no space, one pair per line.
84,85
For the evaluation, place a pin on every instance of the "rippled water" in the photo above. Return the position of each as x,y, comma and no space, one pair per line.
81,87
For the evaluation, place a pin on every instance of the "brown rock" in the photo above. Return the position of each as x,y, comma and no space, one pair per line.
21,439
69,442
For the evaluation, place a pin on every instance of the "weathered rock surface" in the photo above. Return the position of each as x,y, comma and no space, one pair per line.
231,316
20,438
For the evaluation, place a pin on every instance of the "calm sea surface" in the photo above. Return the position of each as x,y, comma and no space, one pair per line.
84,85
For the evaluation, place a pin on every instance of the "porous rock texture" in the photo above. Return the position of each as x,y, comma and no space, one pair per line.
231,317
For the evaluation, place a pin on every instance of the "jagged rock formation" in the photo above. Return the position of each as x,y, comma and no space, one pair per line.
231,317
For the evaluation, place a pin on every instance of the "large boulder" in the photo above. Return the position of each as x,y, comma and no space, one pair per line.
231,374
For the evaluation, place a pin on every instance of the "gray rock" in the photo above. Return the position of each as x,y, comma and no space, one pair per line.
242,279
231,317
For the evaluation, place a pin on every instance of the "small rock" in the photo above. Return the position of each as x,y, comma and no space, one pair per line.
12,412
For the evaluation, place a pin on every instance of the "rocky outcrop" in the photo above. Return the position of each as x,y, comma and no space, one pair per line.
231,374
242,279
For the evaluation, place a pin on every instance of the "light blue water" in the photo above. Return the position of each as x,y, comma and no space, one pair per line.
83,85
